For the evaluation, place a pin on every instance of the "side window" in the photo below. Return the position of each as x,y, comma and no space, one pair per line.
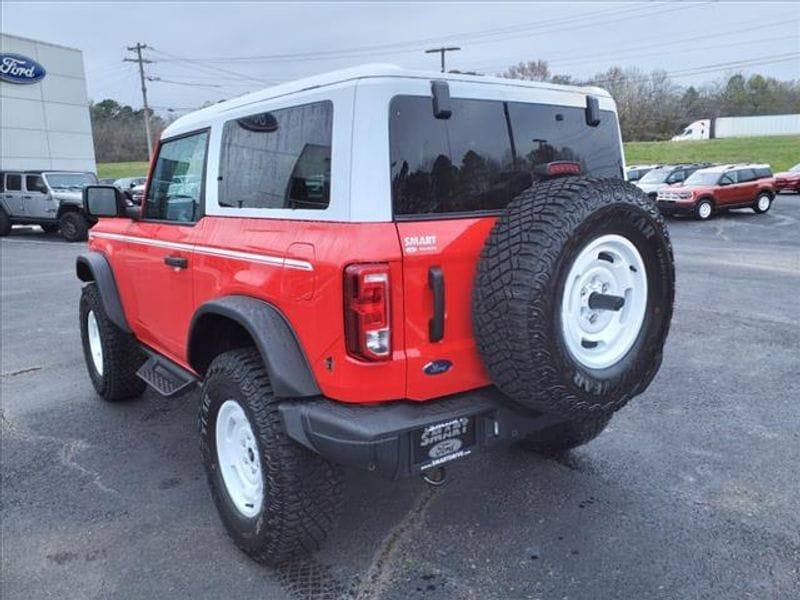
746,175
279,159
676,176
763,172
177,185
728,178
34,183
13,183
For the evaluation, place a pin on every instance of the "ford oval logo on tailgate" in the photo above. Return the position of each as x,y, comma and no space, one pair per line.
15,68
444,448
437,367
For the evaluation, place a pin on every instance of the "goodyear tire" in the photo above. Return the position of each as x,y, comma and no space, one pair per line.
276,499
573,297
112,355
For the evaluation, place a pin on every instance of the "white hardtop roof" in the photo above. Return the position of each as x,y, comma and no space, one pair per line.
723,168
199,117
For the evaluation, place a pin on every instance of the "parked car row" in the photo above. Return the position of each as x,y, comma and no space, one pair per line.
702,189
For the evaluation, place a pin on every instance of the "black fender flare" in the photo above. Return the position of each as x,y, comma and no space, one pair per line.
94,266
287,366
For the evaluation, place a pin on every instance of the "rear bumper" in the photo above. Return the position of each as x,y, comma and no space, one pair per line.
385,439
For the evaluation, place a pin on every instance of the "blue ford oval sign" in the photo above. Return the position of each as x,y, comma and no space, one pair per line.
15,68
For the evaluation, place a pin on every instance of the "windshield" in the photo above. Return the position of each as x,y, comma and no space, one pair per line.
701,178
796,168
69,181
656,176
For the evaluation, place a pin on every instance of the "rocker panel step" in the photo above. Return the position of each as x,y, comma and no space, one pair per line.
165,377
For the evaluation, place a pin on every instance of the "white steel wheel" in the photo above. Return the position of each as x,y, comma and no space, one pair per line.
704,210
763,203
609,271
95,345
238,459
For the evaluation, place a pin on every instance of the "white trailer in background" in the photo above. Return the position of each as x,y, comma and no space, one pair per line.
728,127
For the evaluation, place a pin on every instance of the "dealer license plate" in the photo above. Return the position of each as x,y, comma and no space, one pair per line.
443,442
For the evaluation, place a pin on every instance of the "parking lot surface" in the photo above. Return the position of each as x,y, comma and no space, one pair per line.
692,492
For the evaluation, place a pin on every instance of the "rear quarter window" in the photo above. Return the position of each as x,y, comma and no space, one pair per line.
488,152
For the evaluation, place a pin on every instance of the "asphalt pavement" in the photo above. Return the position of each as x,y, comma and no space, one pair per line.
693,491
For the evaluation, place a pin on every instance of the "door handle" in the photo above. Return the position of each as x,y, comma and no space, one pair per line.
179,262
436,323
26,197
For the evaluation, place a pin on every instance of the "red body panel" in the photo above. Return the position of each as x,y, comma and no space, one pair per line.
265,258
454,245
790,180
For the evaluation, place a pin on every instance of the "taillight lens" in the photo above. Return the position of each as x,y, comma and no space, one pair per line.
368,330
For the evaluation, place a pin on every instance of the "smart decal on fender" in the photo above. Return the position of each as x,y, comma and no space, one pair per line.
413,244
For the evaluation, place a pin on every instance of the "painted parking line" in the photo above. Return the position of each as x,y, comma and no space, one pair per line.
37,242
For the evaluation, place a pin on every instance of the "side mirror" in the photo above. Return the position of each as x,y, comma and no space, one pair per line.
104,201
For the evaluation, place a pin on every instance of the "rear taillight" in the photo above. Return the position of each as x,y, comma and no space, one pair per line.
368,330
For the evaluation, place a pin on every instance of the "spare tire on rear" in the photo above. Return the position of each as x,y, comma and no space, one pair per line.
573,296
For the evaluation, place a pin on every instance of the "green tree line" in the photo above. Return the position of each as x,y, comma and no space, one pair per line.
652,107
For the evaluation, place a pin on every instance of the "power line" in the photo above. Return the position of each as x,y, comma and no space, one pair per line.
142,61
188,83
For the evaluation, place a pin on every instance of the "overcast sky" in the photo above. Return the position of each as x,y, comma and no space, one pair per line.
696,41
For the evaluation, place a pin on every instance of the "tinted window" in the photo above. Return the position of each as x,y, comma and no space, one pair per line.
34,183
488,152
280,159
746,175
177,183
13,183
762,172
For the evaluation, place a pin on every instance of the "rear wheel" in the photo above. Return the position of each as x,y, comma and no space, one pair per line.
565,436
112,355
5,223
276,498
74,226
573,297
762,203
703,210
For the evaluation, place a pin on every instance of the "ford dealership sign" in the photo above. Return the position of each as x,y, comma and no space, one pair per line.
15,68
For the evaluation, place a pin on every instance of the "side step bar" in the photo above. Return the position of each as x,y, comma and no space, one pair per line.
164,376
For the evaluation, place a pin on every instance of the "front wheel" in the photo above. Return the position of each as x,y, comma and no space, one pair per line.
74,226
276,498
703,210
762,203
112,355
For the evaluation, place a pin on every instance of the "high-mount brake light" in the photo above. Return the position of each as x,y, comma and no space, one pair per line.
368,331
563,167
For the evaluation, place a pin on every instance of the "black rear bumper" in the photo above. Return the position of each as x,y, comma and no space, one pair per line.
384,438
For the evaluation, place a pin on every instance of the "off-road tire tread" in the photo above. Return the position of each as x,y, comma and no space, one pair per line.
565,436
304,491
512,311
81,226
122,355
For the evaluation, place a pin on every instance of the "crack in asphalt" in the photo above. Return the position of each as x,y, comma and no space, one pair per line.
20,372
70,447
381,567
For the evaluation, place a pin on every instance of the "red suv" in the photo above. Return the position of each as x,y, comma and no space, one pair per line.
720,188
381,269
788,181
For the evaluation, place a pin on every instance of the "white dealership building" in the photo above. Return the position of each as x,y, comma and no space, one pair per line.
45,110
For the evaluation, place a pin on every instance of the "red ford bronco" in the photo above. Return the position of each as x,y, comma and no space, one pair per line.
380,269
718,189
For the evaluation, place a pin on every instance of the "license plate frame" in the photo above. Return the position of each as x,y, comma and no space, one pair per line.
442,442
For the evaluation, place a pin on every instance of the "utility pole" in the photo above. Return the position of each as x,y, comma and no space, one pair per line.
442,52
142,61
